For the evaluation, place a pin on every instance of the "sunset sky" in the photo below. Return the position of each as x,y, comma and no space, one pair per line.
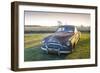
51,19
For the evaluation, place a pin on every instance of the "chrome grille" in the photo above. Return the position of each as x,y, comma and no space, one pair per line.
54,46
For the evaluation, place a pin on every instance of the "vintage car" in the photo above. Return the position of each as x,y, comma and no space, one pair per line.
63,40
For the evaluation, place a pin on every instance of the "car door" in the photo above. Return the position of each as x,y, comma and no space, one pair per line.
76,35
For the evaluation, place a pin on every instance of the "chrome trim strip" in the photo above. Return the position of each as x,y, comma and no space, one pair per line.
65,51
43,48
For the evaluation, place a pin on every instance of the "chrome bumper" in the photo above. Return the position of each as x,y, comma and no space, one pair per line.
45,49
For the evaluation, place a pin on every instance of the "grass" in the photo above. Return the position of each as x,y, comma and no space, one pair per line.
82,50
32,40
33,52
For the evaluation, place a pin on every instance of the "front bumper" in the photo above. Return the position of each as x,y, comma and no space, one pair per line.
45,49
52,47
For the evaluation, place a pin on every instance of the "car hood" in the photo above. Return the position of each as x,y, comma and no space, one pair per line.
61,36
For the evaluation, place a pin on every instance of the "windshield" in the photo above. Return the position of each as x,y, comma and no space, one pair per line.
65,29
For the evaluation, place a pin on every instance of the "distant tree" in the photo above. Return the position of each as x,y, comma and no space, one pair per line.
82,26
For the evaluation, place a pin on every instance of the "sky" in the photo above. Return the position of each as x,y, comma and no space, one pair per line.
55,19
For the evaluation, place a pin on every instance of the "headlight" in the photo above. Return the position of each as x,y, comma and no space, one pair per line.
68,43
43,41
